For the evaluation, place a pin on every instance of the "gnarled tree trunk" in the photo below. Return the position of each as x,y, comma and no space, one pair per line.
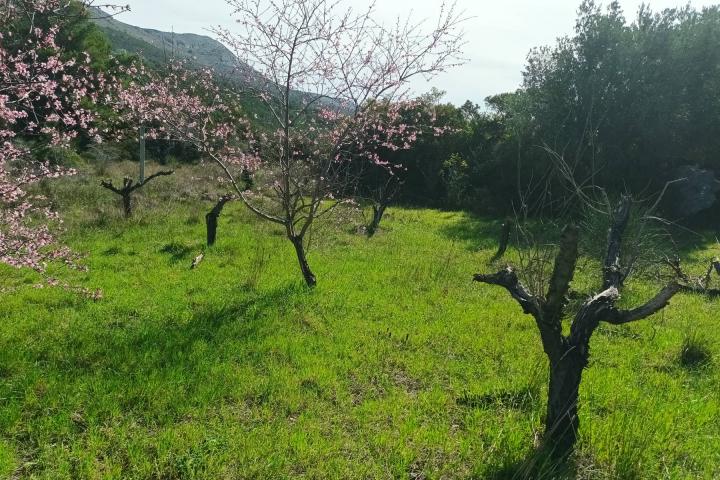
568,354
561,419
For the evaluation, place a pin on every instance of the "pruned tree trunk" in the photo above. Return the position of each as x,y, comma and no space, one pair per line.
505,231
561,419
568,355
302,260
129,186
382,197
211,218
127,204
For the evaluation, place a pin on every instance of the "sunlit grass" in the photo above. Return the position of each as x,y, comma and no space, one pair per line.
396,365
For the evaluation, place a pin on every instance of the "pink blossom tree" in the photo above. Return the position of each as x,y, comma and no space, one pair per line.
332,80
335,83
46,98
382,180
182,104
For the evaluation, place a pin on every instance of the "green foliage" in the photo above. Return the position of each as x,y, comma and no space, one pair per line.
455,175
625,103
82,35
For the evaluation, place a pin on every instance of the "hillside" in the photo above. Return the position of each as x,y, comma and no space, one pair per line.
160,47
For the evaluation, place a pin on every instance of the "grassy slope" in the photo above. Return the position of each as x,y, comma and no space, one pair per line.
395,366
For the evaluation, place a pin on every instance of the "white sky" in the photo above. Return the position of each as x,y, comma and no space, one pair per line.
499,34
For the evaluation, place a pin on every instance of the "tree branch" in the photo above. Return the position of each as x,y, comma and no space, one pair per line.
508,279
612,271
695,285
655,304
109,185
154,175
563,272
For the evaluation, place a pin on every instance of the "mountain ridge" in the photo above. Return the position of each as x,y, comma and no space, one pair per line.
161,47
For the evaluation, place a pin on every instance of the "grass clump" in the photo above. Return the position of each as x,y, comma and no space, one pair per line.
695,352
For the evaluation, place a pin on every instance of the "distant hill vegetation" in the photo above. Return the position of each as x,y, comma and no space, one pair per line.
160,47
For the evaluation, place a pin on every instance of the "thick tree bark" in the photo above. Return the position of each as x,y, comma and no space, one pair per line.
302,260
127,204
561,420
211,218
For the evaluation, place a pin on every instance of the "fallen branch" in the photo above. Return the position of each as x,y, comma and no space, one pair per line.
196,261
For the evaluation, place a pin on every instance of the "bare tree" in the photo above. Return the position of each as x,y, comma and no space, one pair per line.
327,77
568,355
129,187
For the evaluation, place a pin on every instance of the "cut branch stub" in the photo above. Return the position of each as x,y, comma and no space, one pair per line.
613,275
563,272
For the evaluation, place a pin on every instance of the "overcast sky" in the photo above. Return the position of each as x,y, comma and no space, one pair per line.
499,34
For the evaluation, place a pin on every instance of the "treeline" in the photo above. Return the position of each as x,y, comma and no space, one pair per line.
624,105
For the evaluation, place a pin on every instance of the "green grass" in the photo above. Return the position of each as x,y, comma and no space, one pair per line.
395,366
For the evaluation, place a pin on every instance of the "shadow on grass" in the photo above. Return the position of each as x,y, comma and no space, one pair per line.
524,399
475,232
245,316
539,464
177,251
151,371
135,348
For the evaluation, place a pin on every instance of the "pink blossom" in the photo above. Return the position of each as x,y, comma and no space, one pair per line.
35,76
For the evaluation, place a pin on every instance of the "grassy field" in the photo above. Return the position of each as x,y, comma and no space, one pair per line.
395,366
